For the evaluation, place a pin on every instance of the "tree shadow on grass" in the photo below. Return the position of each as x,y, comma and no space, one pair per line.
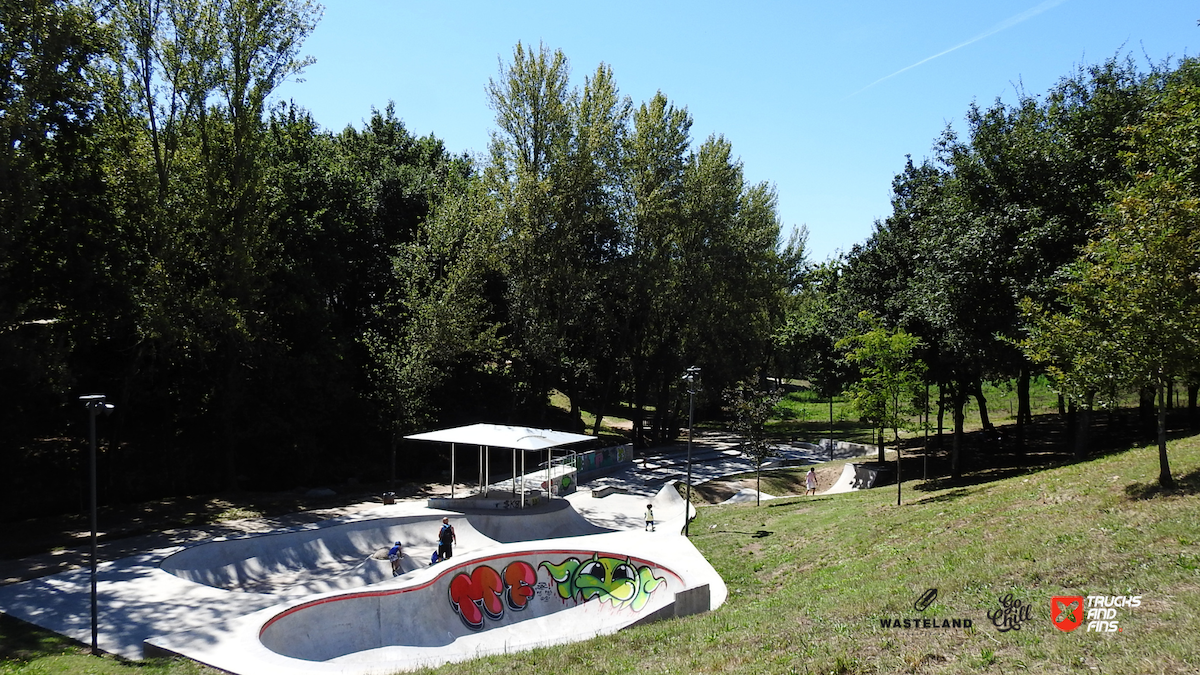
21,641
949,496
1187,484
760,534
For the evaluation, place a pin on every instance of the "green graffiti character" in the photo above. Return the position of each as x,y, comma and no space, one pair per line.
615,581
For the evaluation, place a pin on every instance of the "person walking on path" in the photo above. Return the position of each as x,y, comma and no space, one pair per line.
395,553
446,540
650,517
810,482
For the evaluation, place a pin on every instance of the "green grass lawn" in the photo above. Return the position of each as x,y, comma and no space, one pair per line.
811,578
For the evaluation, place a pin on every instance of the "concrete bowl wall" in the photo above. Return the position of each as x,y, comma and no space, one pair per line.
459,602
338,555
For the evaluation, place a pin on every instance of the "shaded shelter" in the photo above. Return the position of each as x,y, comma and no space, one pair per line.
488,436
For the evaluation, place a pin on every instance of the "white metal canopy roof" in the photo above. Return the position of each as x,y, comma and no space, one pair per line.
502,436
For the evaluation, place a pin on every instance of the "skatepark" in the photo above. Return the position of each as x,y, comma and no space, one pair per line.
321,598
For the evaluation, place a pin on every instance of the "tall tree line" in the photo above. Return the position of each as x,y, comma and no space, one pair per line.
992,237
271,304
630,254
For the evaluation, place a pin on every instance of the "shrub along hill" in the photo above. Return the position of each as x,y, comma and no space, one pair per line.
813,581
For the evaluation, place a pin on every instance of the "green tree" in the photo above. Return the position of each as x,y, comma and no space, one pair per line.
1132,300
888,375
750,408
533,105
60,256
656,160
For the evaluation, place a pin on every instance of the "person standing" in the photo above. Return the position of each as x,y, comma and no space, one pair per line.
395,553
446,540
810,482
650,517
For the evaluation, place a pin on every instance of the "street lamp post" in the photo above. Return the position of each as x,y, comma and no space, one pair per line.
693,374
95,403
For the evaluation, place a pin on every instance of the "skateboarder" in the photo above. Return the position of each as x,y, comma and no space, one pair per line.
650,517
395,553
810,482
446,540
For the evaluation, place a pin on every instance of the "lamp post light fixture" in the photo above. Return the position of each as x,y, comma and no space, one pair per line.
692,377
95,403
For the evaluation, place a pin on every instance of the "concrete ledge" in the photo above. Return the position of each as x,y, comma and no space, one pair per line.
687,602
693,601
532,500
606,491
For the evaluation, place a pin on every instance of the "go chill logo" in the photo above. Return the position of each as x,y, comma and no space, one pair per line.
1068,612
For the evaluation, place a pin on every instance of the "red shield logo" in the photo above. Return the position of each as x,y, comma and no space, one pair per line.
1066,612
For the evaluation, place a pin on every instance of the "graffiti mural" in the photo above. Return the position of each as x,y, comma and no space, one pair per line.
612,580
485,593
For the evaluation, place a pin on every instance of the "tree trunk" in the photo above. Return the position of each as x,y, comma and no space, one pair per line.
602,402
1062,406
639,412
1085,425
1165,480
1146,408
881,431
977,392
831,427
1193,389
1024,409
576,413
941,443
925,448
958,402
1072,424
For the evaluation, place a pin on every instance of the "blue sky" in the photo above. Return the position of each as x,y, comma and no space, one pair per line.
823,100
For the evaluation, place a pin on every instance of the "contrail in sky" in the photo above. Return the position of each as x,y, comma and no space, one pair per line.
1003,25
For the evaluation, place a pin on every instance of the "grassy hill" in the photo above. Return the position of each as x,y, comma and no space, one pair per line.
811,579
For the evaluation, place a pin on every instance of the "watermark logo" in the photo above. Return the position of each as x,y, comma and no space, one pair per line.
925,600
1011,615
921,604
1066,612
1102,611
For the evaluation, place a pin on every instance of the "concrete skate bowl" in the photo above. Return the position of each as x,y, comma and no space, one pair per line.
346,554
517,599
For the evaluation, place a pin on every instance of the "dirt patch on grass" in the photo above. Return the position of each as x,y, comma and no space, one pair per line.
776,482
714,491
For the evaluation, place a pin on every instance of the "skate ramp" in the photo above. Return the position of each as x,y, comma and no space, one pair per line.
509,597
855,477
344,555
302,562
